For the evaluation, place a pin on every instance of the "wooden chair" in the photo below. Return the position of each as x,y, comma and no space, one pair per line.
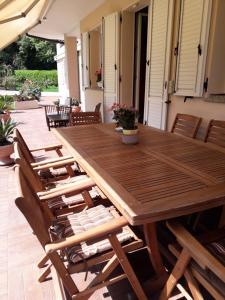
54,195
57,116
58,162
85,118
71,247
186,125
215,133
200,263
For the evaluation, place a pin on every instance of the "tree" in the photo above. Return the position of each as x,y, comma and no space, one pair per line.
29,53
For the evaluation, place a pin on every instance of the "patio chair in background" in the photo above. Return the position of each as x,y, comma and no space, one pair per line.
54,194
186,125
200,263
72,247
57,116
85,118
215,133
97,107
58,162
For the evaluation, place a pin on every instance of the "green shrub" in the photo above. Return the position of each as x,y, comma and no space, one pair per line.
42,78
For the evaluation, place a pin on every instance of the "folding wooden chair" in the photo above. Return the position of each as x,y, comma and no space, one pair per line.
200,263
55,196
186,125
215,133
82,240
62,161
85,118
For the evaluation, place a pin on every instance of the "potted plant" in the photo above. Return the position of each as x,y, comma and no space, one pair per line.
75,103
29,95
5,105
6,145
126,117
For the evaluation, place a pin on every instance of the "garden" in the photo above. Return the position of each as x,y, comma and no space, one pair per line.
29,61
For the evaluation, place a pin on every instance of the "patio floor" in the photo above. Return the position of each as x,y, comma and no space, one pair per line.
20,250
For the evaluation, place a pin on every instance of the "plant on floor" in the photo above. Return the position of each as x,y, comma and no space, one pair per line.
30,90
6,145
75,103
6,103
6,131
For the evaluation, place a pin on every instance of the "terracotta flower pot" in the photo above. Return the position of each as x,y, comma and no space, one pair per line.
5,152
5,116
76,109
130,136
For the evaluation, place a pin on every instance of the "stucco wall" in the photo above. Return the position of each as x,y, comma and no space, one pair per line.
196,107
94,19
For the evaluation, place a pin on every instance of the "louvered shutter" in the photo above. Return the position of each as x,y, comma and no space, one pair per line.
192,47
110,63
85,59
158,62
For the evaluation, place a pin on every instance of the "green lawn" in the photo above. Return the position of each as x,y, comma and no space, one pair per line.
51,88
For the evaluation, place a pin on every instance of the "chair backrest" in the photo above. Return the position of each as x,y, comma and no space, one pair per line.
216,133
17,137
28,203
51,109
97,107
30,174
186,125
85,118
65,110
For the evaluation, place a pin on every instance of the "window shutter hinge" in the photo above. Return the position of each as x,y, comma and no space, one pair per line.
115,66
120,78
89,36
205,85
176,49
199,50
121,19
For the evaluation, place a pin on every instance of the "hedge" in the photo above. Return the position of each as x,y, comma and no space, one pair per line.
41,77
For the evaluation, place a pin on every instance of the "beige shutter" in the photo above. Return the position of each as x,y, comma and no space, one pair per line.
158,62
192,47
127,57
110,63
85,59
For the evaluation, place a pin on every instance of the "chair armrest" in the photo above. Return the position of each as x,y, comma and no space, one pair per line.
47,148
92,234
55,164
199,253
50,160
70,188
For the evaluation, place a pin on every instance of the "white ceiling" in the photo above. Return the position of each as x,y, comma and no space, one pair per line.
63,17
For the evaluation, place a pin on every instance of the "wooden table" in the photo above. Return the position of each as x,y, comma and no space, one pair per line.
59,120
162,177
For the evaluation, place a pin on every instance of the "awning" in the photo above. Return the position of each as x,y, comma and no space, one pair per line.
18,17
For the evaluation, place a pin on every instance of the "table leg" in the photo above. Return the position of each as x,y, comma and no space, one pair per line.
153,248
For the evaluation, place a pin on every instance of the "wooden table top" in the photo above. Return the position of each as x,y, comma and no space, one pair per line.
163,176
